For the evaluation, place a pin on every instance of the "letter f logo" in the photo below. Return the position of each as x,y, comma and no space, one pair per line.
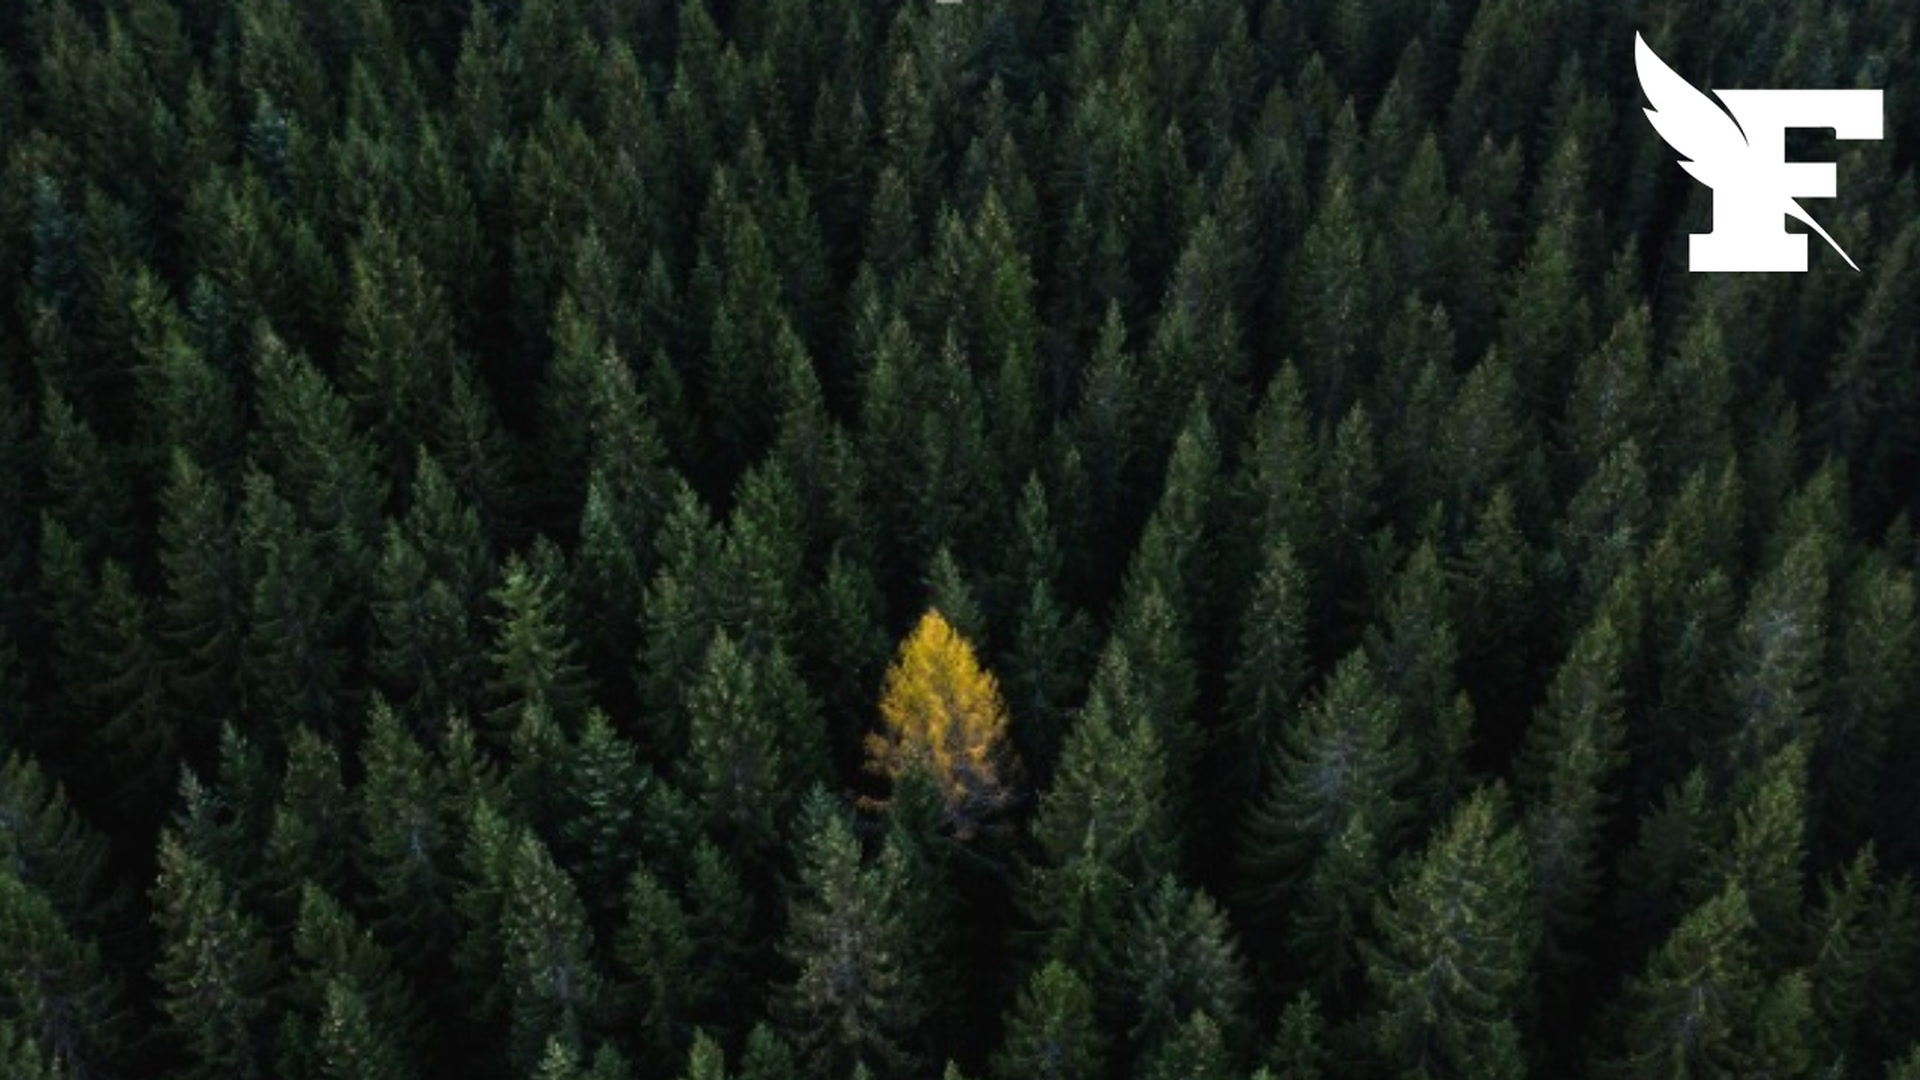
1741,153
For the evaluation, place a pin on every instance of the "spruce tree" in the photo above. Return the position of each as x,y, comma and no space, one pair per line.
56,988
1052,1032
1452,964
1334,799
1180,958
1575,744
851,999
552,985
405,841
214,969
1690,1013
534,655
1102,829
658,987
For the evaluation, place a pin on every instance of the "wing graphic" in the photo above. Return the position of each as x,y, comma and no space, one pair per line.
1691,122
1703,132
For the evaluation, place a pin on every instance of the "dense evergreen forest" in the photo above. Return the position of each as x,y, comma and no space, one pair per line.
1014,539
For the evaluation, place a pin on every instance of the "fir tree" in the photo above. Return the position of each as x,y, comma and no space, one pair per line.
551,982
533,655
851,999
1052,1032
1453,959
55,987
214,967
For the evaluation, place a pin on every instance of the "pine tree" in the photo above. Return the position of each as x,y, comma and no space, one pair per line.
1279,469
721,919
350,1012
678,616
950,594
1767,851
533,655
1334,805
767,1056
659,986
1613,401
1453,960
313,811
49,846
1050,643
203,611
350,1044
55,987
605,803
295,662
1349,509
24,1058
1330,297
478,956
1103,828
1270,668
1415,650
86,487
405,843
752,738
551,983
852,998
924,870
1180,959
1574,745
1862,936
322,466
214,968
1876,626
1690,1013
1778,682
427,590
194,407
1298,1051
1177,552
134,736
1052,1033
706,1060
1197,1050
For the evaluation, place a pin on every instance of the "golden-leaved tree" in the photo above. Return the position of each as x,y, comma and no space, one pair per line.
942,714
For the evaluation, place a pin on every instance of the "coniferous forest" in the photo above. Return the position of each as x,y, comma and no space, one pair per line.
1012,539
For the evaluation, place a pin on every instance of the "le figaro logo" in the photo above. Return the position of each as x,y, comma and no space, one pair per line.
1741,153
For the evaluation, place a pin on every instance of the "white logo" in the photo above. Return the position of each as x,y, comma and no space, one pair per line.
1741,153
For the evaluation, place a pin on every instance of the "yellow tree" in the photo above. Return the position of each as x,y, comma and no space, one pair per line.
942,715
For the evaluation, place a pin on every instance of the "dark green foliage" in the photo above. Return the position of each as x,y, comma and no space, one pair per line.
406,837
1180,960
350,1011
1452,962
656,952
1332,810
465,468
552,986
55,989
1574,746
293,657
1052,1031
214,969
303,847
1692,1012
853,998
533,658
1103,829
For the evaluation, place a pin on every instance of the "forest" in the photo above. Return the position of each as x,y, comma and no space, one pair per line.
900,540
